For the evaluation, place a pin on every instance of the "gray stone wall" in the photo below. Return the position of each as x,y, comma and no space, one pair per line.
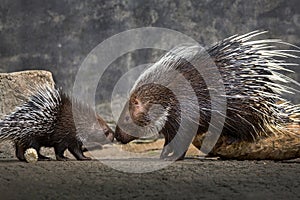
56,35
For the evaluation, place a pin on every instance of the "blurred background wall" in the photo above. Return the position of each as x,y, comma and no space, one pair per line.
57,35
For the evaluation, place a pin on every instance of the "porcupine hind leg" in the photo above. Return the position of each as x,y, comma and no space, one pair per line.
76,150
59,152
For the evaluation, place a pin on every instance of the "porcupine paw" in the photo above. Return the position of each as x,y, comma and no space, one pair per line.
165,152
43,158
173,157
169,158
166,157
85,158
62,158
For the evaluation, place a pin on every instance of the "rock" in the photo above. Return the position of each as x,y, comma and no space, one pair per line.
16,87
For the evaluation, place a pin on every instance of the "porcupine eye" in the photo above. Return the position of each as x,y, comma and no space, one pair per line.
135,102
137,107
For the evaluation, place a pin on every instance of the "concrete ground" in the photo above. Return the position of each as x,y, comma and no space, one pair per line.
192,178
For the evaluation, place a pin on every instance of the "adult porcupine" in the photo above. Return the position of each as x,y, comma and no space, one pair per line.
48,119
256,113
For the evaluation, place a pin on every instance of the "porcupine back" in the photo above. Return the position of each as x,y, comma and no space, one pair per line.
254,85
37,117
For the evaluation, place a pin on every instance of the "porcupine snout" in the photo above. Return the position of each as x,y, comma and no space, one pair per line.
109,134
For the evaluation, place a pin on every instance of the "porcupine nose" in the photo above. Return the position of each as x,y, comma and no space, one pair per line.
109,134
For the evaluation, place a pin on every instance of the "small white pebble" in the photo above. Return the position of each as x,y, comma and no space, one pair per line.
31,155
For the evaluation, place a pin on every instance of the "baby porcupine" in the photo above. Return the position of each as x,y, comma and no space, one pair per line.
256,116
51,118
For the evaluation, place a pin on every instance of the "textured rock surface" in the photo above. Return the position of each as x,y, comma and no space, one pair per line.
16,87
57,35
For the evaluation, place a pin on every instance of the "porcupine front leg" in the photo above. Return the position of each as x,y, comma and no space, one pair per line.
76,150
59,152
